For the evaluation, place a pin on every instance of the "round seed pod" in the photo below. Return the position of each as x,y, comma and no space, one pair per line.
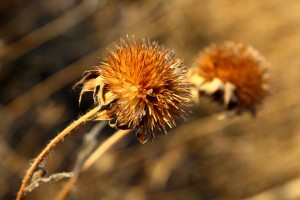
139,85
233,74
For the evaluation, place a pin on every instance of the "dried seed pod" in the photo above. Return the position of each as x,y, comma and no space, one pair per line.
139,85
233,74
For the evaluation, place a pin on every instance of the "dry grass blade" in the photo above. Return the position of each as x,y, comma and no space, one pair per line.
104,147
88,146
289,190
49,31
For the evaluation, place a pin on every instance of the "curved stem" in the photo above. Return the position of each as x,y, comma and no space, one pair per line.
90,161
51,146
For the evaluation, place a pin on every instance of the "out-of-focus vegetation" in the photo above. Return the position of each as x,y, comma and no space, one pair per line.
45,45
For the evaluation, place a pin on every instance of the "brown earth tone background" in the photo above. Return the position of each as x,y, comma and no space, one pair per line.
46,45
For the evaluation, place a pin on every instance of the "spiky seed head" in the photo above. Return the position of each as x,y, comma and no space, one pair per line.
139,85
237,72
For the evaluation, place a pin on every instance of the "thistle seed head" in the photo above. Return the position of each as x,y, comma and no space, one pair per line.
139,85
234,74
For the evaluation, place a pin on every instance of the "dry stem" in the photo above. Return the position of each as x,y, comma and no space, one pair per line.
50,146
90,142
90,160
52,178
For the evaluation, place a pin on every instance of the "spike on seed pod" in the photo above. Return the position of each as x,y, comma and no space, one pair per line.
233,74
139,85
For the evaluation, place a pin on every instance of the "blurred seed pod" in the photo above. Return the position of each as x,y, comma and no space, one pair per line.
233,74
139,85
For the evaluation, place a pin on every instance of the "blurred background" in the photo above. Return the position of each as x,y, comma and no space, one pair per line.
46,45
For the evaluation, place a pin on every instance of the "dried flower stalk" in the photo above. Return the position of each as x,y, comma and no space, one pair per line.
49,147
138,86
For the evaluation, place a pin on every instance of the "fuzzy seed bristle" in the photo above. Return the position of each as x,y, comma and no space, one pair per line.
142,86
238,71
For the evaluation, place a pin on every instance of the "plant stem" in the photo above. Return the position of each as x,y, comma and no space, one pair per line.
90,161
51,146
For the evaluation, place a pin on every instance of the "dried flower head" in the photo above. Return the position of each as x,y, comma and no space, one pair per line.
139,85
234,74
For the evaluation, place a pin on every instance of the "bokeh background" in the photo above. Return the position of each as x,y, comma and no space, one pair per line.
46,45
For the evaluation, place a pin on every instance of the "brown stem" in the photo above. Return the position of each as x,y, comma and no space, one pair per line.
50,146
91,160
